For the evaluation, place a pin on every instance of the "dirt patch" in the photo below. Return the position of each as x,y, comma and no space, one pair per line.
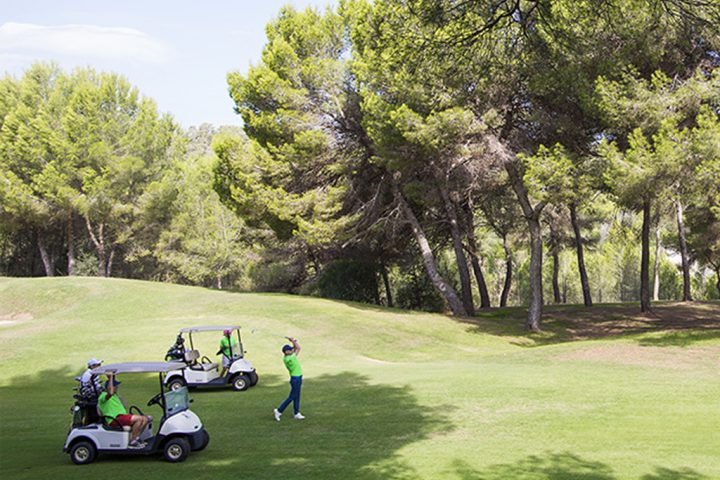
14,318
375,360
654,357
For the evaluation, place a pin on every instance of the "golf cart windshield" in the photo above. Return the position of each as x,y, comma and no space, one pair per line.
176,401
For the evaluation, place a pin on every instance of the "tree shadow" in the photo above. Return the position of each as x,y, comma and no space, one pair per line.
677,323
679,338
669,474
560,466
354,429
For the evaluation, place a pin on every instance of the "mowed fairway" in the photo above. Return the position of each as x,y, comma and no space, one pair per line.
387,394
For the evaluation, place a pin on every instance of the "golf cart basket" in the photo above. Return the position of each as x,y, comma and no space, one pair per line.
177,351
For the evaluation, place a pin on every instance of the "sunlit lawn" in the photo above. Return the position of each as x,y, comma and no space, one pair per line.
387,394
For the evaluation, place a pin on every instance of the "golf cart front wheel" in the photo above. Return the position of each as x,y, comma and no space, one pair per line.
253,378
83,452
176,384
240,383
176,450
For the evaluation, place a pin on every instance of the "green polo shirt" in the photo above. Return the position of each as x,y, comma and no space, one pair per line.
225,344
111,407
293,365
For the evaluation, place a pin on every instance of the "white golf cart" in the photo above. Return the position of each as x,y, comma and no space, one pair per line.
203,372
179,432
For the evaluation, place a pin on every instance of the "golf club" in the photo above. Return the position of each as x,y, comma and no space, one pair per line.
254,330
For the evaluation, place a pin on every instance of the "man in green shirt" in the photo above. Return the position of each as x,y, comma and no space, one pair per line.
111,406
292,364
230,349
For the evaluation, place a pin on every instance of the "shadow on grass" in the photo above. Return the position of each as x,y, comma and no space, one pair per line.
561,466
679,324
354,429
678,339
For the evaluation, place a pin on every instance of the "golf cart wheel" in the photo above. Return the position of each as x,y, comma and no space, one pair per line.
176,384
205,441
83,452
253,378
240,383
176,449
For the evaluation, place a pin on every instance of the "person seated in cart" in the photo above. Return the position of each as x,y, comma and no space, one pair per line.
230,350
112,406
90,385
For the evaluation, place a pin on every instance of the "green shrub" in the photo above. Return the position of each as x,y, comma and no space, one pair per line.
349,280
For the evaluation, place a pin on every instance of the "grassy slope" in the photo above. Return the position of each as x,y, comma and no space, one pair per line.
387,394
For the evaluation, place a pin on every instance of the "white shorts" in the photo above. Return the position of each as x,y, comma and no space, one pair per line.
225,361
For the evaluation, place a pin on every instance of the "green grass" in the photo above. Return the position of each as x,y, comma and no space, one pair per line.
387,393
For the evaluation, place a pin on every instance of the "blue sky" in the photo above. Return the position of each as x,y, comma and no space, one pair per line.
177,52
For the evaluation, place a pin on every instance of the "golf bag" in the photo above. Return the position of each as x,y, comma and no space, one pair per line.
84,410
177,351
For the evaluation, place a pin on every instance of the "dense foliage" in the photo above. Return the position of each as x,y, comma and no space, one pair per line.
417,153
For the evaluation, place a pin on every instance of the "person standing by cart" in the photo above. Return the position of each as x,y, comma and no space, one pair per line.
230,349
292,364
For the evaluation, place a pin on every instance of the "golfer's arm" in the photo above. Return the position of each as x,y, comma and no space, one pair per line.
296,345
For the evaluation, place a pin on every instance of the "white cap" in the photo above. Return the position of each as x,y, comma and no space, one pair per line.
94,361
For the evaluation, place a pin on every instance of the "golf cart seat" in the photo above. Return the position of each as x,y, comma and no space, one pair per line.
191,357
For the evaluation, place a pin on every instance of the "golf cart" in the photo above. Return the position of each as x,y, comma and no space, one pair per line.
179,431
203,372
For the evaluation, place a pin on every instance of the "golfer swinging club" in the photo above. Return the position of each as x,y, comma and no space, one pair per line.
293,365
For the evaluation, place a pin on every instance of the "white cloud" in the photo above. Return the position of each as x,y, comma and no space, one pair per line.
83,41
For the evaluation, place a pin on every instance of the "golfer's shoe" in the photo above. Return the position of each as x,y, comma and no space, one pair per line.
136,444
299,416
277,414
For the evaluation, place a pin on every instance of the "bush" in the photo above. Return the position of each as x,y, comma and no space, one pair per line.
349,280
415,291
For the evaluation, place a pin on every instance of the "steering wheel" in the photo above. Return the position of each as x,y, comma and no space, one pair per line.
139,412
205,359
154,400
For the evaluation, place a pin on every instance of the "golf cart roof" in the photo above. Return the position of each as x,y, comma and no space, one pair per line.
216,328
139,367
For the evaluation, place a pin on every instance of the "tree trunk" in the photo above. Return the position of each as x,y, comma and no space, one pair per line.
717,274
536,295
429,261
218,282
108,268
656,267
508,273
555,275
645,259
464,273
47,261
687,295
585,284
475,259
532,216
386,282
71,242
99,244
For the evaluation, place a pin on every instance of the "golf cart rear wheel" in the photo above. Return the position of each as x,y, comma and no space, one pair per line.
240,383
83,452
176,449
176,383
253,378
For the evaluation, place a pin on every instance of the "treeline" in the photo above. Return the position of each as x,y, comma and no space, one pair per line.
422,154
94,181
381,125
